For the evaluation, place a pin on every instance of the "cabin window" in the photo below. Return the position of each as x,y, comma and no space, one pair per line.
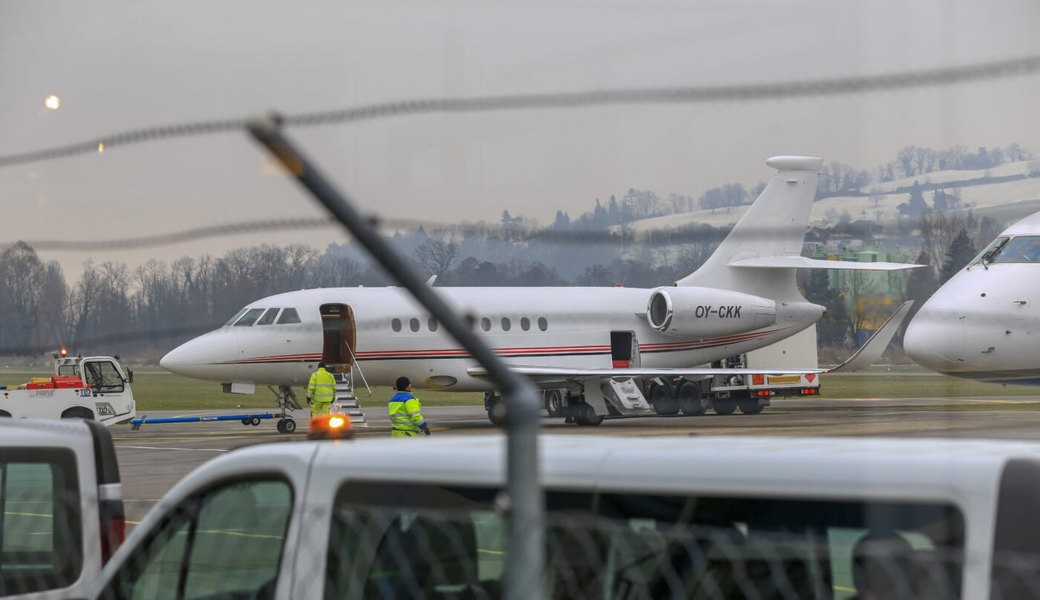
525,323
485,324
268,317
413,324
543,323
506,325
1019,249
432,324
232,320
395,324
289,315
250,317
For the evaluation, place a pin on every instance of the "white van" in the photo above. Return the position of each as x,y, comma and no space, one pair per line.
61,506
663,517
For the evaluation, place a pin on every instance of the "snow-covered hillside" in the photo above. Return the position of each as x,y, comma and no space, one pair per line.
1004,201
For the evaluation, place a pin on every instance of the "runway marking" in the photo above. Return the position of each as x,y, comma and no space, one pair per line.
172,448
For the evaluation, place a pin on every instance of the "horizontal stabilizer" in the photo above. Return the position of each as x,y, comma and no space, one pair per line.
801,262
871,351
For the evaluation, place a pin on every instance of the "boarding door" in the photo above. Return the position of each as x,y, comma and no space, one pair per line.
624,349
339,337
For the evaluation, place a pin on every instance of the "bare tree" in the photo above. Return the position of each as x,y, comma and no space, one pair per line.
436,256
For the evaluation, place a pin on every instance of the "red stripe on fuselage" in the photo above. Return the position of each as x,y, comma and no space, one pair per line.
531,351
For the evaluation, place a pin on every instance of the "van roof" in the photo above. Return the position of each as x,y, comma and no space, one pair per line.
41,432
926,469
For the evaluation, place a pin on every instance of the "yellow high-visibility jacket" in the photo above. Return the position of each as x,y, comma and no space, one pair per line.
406,415
321,390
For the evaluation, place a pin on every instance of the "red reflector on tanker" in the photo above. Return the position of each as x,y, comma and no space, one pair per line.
810,391
758,379
330,426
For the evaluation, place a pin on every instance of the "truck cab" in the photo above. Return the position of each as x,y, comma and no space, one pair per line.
95,388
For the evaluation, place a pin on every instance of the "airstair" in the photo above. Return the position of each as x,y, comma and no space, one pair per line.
345,401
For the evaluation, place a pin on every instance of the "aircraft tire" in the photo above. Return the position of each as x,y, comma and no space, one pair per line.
662,400
280,426
586,415
689,397
725,406
496,410
290,426
554,403
750,406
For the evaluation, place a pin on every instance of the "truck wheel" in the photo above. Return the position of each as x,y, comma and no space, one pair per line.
724,406
245,421
750,406
690,401
586,415
554,403
78,413
255,421
663,401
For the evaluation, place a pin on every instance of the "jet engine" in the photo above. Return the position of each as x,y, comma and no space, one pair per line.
698,312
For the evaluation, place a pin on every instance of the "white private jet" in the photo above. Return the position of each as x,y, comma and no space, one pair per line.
982,324
744,297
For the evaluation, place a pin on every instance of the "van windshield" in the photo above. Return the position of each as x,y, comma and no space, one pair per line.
424,540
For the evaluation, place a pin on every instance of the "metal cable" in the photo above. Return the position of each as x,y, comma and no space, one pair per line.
675,95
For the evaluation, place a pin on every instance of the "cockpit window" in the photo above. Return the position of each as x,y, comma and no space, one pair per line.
289,315
232,320
249,318
268,317
1019,249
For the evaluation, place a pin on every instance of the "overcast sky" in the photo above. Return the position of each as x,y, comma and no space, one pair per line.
119,66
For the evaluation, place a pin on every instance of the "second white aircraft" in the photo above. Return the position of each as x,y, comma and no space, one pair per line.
983,323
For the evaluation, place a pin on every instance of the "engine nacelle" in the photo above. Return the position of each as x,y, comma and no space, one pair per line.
698,312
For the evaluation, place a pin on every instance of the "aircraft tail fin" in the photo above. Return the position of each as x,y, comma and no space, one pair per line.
772,228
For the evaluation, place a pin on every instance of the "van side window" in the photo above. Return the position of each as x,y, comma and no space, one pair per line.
416,540
226,542
40,522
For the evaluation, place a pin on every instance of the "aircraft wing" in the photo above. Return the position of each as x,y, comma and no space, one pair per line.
547,375
801,262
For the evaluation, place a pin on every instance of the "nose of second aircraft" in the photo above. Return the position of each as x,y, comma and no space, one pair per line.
926,341
210,356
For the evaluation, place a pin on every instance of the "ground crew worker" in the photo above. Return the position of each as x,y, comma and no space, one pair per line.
406,412
321,390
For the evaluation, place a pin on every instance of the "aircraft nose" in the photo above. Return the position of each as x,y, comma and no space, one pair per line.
933,338
210,356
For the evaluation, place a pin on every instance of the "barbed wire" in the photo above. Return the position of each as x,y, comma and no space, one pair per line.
670,95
